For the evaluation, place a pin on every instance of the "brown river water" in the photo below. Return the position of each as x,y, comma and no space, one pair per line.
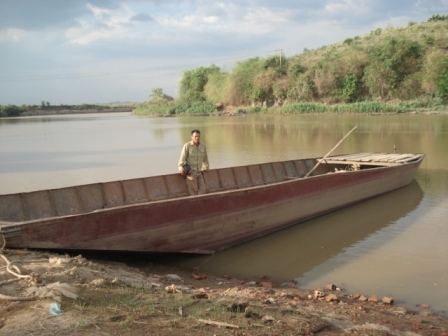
394,245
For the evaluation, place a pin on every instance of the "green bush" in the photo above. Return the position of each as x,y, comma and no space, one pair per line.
201,108
147,109
437,17
349,90
10,111
442,81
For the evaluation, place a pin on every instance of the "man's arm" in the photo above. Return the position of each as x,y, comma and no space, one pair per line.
183,158
205,164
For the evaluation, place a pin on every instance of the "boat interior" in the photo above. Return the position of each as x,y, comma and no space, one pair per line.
29,206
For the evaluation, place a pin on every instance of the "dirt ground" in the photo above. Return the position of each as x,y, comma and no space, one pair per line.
52,294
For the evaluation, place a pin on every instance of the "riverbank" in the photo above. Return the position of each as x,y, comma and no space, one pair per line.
226,111
56,294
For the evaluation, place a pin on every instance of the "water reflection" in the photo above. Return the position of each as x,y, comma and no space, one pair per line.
290,253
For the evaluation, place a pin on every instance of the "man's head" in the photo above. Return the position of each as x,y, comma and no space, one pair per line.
196,136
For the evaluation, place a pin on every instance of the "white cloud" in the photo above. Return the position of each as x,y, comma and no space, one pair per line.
265,17
346,7
231,20
195,19
102,24
12,35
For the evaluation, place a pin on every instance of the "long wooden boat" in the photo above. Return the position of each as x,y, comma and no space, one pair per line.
156,214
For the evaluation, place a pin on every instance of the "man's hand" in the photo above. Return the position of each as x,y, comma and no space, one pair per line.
183,173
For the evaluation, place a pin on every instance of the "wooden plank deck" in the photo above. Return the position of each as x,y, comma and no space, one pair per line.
383,159
351,157
413,157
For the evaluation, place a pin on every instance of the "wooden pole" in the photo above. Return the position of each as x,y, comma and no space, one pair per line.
330,152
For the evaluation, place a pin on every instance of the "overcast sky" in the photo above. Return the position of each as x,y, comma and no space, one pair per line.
100,51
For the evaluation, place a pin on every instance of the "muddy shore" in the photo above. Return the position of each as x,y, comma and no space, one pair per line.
50,294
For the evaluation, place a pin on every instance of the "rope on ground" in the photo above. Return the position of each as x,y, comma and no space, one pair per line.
14,270
9,281
53,290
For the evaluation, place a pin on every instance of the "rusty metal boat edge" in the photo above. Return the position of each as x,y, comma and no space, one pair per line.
155,214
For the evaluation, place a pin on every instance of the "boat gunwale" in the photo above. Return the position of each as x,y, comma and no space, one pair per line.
321,160
214,194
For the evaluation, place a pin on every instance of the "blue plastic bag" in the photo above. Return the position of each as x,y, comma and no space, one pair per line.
55,309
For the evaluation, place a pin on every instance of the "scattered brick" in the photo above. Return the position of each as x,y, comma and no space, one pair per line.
388,300
373,299
362,298
332,298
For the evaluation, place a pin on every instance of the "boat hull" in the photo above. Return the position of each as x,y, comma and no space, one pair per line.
211,222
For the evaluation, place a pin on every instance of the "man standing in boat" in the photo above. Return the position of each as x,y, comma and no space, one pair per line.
193,160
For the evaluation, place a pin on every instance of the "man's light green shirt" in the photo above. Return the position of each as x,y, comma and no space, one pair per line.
196,157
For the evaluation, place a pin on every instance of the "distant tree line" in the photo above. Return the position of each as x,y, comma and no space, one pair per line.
15,111
407,66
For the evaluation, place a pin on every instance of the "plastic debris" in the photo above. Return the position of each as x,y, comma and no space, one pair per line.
55,309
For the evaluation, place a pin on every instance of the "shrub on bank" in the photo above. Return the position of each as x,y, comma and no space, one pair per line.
10,111
197,108
148,109
203,107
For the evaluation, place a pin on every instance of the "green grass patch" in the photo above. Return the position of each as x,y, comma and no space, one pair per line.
196,108
317,108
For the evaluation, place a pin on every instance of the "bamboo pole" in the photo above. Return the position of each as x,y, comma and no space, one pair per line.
330,152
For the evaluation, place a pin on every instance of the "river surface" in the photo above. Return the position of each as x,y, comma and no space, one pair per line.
394,245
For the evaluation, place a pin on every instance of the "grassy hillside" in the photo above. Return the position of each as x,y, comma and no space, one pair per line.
391,69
